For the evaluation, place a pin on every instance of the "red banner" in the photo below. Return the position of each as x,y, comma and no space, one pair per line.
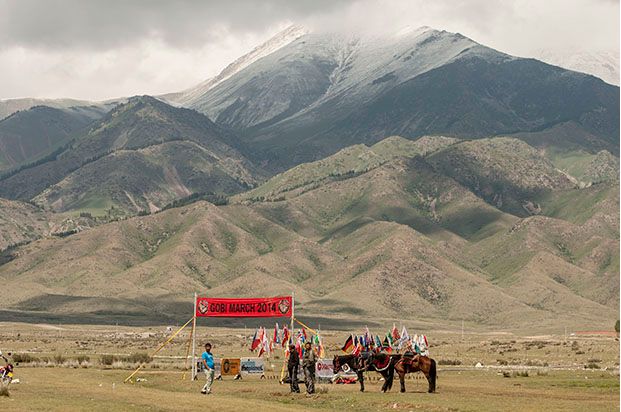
244,308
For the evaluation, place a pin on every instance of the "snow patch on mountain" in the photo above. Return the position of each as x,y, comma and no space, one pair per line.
602,64
281,39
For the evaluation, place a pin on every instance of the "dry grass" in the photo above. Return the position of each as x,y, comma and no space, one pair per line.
98,390
87,385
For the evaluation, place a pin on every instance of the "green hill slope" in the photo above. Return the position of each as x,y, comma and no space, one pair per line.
142,155
30,135
368,233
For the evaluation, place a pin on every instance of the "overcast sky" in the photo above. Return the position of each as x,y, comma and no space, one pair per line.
109,48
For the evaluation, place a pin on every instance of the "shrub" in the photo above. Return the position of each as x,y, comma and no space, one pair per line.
591,365
59,359
24,358
107,360
82,358
449,362
139,357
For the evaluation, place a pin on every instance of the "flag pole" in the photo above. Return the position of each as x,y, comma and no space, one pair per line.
194,339
292,309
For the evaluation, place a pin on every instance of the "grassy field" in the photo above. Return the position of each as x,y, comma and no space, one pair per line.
99,390
61,369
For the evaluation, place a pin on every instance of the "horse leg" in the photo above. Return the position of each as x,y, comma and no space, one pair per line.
402,380
387,382
432,376
391,376
361,379
428,381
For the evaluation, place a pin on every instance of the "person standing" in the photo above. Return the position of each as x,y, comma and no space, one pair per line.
293,364
309,360
208,364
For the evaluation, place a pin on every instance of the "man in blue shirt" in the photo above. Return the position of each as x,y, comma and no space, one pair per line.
207,358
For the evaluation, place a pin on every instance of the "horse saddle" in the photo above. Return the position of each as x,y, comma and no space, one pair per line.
381,361
408,358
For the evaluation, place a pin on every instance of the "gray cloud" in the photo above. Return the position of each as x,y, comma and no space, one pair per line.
100,49
107,24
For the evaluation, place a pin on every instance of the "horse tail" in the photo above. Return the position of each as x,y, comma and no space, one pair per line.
433,375
391,375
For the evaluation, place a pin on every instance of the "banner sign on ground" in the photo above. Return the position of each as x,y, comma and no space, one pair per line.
230,367
252,366
324,369
244,307
217,366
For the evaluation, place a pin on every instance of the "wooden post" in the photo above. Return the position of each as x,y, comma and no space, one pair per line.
194,372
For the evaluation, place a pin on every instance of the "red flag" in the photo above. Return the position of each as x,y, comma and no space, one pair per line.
255,340
285,336
395,332
298,348
357,350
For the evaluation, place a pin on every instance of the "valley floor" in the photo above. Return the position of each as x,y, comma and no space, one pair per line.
103,390
61,368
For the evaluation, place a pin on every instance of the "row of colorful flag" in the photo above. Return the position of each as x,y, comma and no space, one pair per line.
265,342
392,340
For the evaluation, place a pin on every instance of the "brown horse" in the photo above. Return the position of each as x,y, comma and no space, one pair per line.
417,363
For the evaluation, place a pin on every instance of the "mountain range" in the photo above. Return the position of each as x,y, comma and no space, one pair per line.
323,91
370,232
416,173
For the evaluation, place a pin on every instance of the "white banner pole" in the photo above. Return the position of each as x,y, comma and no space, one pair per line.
194,371
292,311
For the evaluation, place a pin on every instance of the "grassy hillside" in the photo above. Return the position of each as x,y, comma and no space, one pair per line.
385,231
141,156
21,223
30,135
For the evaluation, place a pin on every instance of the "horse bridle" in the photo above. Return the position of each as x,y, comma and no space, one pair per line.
338,366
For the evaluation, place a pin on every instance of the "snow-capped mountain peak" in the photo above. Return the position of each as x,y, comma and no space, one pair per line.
276,42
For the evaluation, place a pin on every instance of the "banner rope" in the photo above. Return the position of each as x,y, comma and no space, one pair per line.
159,349
304,326
187,353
